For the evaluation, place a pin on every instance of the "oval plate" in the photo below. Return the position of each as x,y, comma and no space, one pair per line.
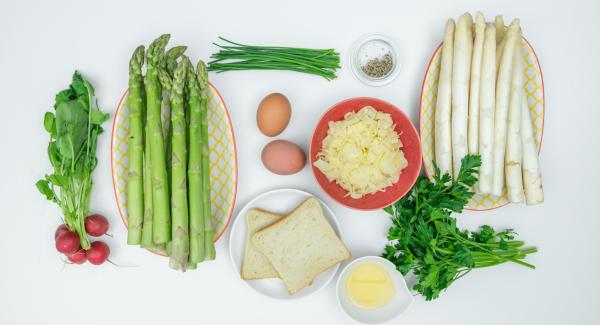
223,159
534,88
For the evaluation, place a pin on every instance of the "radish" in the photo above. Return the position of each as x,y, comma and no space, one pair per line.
79,257
67,243
96,225
98,253
60,230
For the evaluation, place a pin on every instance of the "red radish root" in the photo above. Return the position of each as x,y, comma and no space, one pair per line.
60,230
67,243
98,253
96,225
79,257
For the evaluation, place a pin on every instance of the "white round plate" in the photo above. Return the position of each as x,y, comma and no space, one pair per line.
399,303
281,201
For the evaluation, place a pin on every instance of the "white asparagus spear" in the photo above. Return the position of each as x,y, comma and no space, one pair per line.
532,175
499,24
500,50
442,133
473,131
461,68
502,101
514,152
487,104
469,19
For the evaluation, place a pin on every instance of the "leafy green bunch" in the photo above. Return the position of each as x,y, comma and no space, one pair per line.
424,237
74,128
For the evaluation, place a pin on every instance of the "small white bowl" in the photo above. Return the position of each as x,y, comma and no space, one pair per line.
399,303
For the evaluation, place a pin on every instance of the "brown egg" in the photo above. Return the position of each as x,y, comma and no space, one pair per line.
283,157
273,114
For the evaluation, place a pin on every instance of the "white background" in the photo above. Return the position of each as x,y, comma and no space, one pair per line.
41,43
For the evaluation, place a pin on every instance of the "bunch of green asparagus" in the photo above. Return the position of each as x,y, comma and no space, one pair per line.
168,186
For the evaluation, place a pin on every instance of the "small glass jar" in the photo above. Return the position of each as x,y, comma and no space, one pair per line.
374,47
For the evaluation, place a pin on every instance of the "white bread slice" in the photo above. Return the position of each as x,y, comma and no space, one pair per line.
255,264
301,245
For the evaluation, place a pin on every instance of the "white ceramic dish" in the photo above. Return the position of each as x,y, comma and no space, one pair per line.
401,301
280,201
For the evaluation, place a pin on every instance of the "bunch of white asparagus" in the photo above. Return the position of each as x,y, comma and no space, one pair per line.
482,108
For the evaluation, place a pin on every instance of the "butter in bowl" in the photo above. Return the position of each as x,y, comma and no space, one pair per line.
370,290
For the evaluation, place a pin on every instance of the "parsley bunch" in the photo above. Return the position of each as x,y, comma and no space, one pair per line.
424,237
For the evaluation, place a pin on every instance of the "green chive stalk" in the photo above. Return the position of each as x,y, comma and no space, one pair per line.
235,56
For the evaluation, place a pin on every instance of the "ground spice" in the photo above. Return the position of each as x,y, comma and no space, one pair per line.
379,67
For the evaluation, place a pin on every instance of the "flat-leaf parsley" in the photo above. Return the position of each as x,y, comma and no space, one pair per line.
424,237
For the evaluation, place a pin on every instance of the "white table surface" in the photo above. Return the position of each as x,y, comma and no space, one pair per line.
41,43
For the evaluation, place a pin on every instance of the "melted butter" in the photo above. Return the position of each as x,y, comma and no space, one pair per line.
370,286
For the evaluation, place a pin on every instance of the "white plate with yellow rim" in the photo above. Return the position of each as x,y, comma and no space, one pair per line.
534,89
223,159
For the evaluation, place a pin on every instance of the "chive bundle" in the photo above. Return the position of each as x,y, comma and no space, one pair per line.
236,56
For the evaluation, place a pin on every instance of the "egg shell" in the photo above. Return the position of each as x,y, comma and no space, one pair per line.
273,114
283,157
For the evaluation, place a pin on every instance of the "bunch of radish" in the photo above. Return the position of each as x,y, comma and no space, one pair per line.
67,242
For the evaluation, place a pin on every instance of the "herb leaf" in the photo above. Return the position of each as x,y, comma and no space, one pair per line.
425,240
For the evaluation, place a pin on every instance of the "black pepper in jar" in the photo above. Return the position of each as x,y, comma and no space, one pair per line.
378,67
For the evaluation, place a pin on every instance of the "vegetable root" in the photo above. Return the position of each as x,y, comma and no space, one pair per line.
96,225
68,243
98,253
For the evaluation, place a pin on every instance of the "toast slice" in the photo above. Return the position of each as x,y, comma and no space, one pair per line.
255,264
301,245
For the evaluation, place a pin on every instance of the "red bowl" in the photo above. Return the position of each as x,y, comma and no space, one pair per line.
411,148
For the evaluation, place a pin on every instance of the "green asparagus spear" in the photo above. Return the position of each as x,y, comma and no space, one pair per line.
135,201
147,240
166,80
161,225
167,70
209,245
171,56
195,170
179,202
